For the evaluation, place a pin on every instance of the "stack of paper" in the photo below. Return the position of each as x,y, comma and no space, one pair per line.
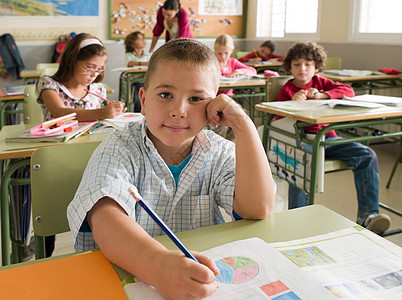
16,90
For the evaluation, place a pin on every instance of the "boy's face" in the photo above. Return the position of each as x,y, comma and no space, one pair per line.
223,53
302,70
139,42
264,51
175,102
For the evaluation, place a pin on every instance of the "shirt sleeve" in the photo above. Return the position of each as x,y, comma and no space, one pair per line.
242,69
159,28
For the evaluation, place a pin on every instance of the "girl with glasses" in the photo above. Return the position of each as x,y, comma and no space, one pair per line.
82,67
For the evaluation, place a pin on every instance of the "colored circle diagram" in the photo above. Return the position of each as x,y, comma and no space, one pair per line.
236,269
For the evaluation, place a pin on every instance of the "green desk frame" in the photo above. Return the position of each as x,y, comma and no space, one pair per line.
341,128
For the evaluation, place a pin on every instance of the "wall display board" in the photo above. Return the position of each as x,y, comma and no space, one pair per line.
208,18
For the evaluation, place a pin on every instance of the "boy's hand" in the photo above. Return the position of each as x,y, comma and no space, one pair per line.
300,95
114,109
256,59
313,93
179,277
223,110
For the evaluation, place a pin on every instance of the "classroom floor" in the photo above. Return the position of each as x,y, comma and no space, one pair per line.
340,196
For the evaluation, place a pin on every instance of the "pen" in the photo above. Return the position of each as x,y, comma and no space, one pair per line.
320,91
255,53
104,99
85,130
161,224
94,127
59,119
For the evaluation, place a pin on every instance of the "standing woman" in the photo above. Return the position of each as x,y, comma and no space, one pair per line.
174,19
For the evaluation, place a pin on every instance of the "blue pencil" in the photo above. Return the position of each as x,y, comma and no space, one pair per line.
161,224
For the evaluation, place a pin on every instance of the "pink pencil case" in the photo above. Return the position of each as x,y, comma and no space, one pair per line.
55,126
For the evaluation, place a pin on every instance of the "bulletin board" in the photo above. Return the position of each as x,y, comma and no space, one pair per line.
140,15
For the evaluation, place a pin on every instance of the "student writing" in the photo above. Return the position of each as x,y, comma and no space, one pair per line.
185,173
265,52
229,66
82,66
172,17
304,60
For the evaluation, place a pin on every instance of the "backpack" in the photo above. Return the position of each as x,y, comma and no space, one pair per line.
59,47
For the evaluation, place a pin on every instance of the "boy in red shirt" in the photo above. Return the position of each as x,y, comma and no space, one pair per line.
304,60
264,53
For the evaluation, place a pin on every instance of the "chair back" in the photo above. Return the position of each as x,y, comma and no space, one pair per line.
55,175
32,111
333,63
48,71
41,66
240,54
274,84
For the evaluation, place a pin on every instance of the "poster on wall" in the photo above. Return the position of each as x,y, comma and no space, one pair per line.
220,7
217,17
22,8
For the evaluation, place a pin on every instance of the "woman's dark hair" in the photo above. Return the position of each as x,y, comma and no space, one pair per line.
130,39
308,51
73,52
172,5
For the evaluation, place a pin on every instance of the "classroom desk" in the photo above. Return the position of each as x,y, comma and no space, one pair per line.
265,65
340,119
6,101
278,227
369,82
10,150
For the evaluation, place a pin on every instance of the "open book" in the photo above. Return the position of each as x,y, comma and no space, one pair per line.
329,266
318,104
368,98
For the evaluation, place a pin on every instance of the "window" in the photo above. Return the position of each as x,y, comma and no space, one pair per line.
287,18
376,20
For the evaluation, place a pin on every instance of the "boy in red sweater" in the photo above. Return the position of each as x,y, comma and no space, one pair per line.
304,60
264,53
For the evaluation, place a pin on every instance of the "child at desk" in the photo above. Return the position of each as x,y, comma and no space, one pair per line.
82,67
136,56
265,52
135,53
183,172
304,60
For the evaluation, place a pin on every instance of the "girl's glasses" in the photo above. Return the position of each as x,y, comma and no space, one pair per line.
91,70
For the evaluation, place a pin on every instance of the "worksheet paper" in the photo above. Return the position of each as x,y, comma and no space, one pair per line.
351,264
250,269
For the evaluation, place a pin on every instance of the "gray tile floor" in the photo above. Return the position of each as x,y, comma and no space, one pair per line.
339,195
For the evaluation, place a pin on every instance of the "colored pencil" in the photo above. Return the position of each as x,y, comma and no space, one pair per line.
161,224
104,99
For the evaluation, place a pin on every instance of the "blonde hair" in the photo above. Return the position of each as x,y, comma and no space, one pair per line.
224,40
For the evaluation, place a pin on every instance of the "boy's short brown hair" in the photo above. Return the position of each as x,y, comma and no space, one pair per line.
189,52
269,44
308,51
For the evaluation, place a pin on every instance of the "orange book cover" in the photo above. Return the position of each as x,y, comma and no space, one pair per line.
82,276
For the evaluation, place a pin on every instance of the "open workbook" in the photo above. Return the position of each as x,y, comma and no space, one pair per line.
348,264
309,105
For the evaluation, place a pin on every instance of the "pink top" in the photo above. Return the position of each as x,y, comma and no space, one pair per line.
234,65
334,90
182,19
254,54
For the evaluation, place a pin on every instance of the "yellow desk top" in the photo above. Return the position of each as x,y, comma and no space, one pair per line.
10,150
333,115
